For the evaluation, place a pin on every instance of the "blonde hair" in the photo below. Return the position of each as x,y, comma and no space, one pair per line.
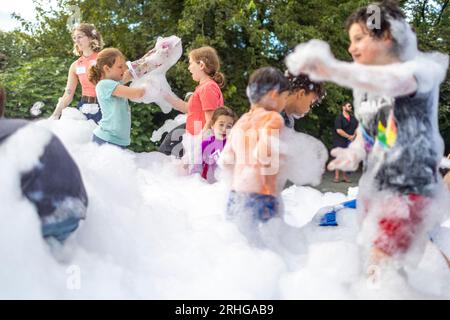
210,58
96,43
106,57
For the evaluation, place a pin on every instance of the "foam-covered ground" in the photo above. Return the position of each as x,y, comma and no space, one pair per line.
153,234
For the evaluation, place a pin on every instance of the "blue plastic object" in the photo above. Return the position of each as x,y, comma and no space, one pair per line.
329,218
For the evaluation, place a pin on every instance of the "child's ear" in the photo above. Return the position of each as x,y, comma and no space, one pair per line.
301,93
273,94
387,36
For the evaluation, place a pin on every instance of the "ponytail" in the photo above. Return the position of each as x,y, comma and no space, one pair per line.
94,74
96,41
219,78
208,55
106,57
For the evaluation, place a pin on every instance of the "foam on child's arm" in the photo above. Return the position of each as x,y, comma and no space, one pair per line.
392,80
430,69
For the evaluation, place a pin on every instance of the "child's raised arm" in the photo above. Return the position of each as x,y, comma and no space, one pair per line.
127,92
315,59
394,80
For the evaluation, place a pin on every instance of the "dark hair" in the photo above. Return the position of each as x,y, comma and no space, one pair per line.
223,111
265,80
2,101
346,104
388,9
303,82
208,55
106,57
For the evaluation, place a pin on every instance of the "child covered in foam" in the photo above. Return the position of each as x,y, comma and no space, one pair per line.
257,161
252,152
396,101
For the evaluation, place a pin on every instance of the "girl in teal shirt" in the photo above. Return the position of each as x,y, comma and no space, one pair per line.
108,74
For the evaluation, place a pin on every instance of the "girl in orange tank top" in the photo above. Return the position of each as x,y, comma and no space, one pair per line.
87,43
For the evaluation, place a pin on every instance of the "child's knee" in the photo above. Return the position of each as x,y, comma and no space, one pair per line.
400,225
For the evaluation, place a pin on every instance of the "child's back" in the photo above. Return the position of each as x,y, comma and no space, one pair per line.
256,160
115,125
252,152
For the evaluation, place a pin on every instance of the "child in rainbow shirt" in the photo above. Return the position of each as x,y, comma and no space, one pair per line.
396,93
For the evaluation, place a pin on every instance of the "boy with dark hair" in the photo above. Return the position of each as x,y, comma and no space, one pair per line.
304,94
252,152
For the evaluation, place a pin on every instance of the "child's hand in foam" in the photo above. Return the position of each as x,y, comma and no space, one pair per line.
346,159
313,58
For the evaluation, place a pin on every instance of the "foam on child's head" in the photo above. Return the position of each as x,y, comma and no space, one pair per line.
303,82
405,39
264,80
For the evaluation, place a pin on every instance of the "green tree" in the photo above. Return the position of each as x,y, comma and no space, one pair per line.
38,79
431,20
247,35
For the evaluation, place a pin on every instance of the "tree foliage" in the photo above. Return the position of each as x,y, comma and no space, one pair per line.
247,35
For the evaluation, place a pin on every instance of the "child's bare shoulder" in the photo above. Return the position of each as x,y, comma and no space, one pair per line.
274,119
